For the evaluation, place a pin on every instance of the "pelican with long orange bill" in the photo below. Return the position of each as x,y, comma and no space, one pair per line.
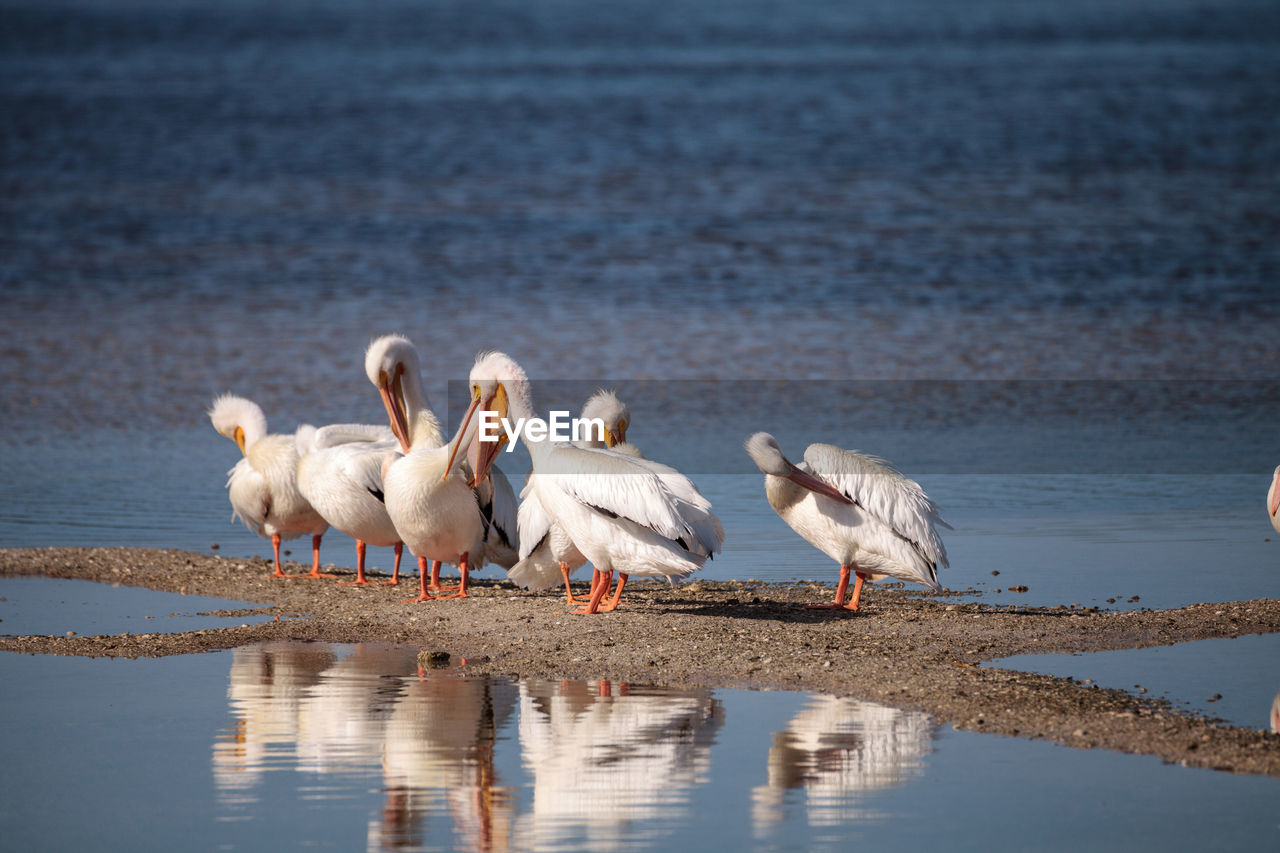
438,515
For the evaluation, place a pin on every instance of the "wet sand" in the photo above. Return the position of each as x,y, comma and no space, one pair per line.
904,648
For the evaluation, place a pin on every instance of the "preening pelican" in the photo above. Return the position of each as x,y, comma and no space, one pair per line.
340,474
1273,499
622,513
856,509
434,510
263,486
554,557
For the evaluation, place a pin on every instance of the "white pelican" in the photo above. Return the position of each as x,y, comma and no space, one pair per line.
553,556
263,486
340,473
856,509
622,513
434,510
1273,499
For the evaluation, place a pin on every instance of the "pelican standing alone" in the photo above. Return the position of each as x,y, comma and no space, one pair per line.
340,474
553,556
1273,499
623,513
856,509
263,486
434,510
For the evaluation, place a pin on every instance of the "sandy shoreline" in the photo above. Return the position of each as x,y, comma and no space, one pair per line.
904,649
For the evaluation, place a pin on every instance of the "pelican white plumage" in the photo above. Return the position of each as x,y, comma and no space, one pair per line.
340,474
1273,499
263,485
623,513
434,510
858,510
552,556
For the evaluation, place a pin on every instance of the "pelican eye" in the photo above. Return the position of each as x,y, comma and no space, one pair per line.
475,392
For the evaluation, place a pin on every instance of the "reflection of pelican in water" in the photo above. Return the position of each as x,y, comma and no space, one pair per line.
300,706
439,743
267,689
603,756
1275,714
342,720
835,749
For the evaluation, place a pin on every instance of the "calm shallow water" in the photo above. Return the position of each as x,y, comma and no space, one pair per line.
39,605
350,747
1234,679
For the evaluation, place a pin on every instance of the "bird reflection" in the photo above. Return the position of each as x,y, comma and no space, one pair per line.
268,685
439,745
606,763
836,749
1275,714
603,756
429,734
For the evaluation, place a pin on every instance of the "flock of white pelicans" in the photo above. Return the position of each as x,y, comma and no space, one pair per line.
596,501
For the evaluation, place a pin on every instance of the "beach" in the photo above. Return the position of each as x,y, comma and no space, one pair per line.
903,648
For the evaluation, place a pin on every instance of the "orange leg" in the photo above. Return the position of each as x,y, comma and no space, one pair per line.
569,597
841,589
315,562
275,547
360,579
599,586
395,572
422,576
852,606
462,586
612,603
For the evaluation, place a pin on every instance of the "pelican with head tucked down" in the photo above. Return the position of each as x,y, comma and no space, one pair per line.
623,513
436,513
856,509
553,556
263,485
340,473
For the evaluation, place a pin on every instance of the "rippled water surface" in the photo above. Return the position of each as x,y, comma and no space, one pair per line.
309,745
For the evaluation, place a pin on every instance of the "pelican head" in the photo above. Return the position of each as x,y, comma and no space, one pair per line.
765,452
496,381
238,419
386,362
615,415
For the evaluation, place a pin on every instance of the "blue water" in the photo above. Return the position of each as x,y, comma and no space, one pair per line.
311,745
39,605
1233,679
